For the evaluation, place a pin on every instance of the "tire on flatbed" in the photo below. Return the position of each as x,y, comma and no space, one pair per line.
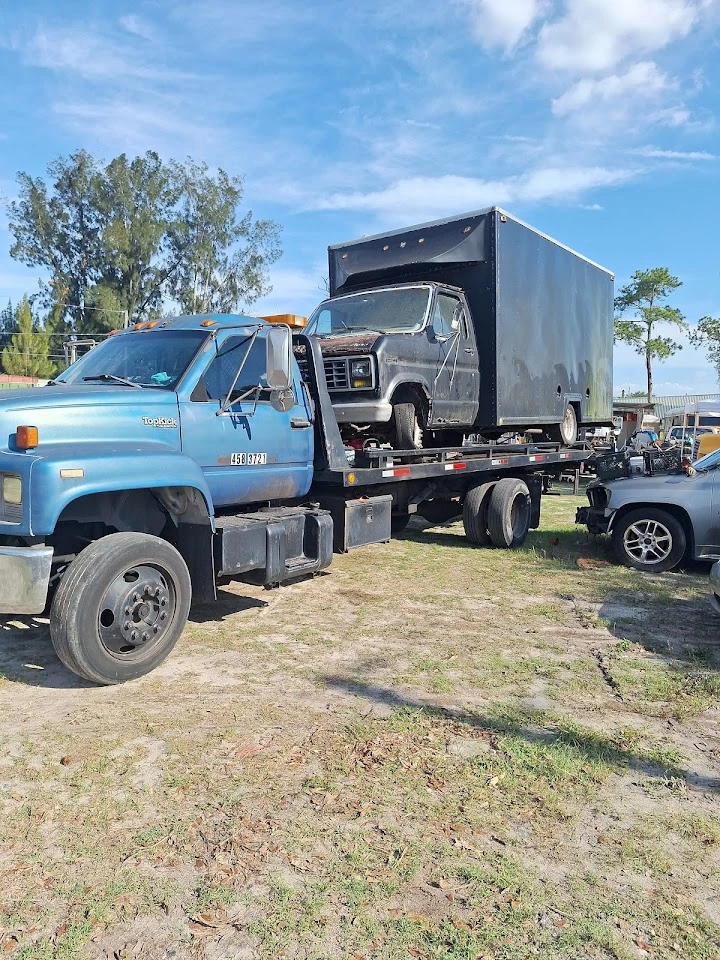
509,512
407,426
120,608
475,509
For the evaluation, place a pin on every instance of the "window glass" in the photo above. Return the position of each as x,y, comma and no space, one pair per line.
445,308
153,358
219,376
401,310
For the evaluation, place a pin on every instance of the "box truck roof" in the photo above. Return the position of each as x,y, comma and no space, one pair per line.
464,248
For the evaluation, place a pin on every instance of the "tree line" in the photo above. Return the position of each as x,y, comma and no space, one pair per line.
132,239
128,240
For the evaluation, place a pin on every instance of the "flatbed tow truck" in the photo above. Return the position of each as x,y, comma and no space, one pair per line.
188,450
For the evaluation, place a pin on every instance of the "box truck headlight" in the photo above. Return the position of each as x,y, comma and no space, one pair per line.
12,490
361,372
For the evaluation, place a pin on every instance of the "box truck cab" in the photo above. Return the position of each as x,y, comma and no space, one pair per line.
400,363
473,324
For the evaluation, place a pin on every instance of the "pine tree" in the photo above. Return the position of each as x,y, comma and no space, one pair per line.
27,353
644,298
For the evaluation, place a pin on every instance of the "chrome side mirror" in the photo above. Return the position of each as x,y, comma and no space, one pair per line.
278,347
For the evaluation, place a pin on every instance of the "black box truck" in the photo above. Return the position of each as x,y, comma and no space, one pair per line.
476,324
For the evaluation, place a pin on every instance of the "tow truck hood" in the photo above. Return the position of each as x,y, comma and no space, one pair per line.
86,413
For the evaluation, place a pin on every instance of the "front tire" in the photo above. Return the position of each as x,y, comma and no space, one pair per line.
120,608
408,429
649,539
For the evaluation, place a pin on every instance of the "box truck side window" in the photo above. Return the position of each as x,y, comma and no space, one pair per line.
446,316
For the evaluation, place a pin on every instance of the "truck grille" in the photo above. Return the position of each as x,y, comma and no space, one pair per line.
337,375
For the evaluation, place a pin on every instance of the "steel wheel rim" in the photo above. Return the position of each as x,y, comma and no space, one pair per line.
569,422
517,516
648,541
136,612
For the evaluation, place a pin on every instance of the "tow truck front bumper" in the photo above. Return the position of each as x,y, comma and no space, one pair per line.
596,519
24,579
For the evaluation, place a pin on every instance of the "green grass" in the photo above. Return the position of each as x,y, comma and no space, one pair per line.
448,773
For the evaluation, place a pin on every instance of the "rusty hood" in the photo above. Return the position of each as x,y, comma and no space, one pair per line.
341,346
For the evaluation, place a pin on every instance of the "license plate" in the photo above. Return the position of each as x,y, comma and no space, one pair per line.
247,459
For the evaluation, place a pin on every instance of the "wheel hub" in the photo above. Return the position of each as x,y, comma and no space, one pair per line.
648,541
135,611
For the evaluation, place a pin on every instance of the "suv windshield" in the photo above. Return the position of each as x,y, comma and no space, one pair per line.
384,311
156,359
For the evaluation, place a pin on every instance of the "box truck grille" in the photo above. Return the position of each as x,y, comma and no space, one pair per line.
337,374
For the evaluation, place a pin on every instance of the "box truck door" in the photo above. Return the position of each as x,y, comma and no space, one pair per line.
455,390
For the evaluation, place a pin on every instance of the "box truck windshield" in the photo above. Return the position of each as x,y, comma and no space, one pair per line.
396,310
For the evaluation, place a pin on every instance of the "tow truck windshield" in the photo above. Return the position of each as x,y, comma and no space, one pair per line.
398,310
155,359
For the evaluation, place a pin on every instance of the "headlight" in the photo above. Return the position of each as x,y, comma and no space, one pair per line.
12,490
361,373
361,369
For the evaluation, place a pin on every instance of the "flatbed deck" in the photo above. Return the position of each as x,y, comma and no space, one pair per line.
376,466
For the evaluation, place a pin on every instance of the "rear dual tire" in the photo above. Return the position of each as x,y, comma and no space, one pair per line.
498,513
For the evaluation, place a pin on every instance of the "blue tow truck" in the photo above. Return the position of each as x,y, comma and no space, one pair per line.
186,450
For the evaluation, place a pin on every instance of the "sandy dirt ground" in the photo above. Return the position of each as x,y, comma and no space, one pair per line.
431,751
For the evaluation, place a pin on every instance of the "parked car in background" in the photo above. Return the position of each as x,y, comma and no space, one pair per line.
657,521
715,586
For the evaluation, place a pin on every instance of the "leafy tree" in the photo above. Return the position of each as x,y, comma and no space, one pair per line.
219,259
120,240
137,202
644,298
8,324
27,353
707,334
59,229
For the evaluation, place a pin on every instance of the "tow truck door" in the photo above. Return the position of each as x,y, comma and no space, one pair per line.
252,452
455,389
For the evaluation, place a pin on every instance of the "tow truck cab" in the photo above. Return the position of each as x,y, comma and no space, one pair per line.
159,430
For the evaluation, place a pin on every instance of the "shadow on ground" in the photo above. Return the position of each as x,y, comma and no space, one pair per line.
28,656
537,729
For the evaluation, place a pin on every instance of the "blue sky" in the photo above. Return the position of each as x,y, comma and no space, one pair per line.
595,120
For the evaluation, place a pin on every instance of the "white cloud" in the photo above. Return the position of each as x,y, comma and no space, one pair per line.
422,198
158,123
138,26
671,117
504,23
653,153
596,35
91,55
641,81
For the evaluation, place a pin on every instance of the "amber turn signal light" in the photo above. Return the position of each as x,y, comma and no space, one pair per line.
26,437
